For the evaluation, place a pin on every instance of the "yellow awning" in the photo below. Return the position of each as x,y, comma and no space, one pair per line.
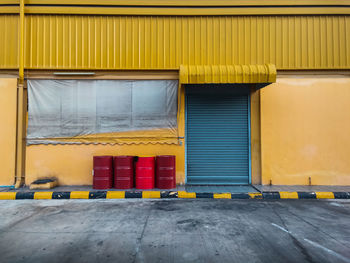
199,74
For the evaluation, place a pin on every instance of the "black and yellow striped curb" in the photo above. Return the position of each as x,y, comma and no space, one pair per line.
170,194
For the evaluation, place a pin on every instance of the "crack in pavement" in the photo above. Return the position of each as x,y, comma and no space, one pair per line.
295,241
139,240
316,227
35,213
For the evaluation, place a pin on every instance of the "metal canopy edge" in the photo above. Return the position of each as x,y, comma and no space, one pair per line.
225,74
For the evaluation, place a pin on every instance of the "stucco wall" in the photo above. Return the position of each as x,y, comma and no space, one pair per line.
8,100
305,130
72,164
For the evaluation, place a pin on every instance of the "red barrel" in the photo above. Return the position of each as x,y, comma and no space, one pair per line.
145,173
123,172
103,172
165,172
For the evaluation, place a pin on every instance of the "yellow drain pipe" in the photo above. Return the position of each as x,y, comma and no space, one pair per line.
21,41
21,102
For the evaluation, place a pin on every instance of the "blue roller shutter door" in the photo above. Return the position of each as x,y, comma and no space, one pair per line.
217,135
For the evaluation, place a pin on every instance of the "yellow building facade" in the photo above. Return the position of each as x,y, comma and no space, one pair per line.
297,125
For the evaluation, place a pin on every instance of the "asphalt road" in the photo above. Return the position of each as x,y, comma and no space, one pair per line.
174,231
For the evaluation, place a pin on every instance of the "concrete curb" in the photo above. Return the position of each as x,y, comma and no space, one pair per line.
170,194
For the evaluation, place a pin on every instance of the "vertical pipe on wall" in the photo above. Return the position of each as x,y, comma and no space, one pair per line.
21,101
21,42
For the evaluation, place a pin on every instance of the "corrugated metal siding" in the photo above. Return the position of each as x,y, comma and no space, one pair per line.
9,41
160,42
217,130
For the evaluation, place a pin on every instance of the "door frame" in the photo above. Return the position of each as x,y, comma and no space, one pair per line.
249,137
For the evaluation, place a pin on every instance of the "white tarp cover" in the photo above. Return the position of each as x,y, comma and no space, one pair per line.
94,111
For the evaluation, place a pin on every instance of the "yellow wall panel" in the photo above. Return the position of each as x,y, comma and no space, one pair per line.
305,131
255,146
165,42
9,41
8,107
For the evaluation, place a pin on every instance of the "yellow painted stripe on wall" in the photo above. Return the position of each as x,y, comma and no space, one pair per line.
79,195
184,194
115,195
255,195
150,194
289,195
182,11
324,195
222,196
182,3
8,196
43,195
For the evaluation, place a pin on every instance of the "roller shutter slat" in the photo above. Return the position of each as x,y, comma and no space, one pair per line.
217,139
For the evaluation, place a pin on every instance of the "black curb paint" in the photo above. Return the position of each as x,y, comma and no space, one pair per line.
25,195
307,195
172,194
133,194
258,196
61,195
271,195
98,195
239,196
168,194
204,195
341,195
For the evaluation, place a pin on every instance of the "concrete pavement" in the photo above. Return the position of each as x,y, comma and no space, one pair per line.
197,230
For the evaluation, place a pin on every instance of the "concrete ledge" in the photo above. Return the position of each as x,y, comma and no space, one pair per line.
170,194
